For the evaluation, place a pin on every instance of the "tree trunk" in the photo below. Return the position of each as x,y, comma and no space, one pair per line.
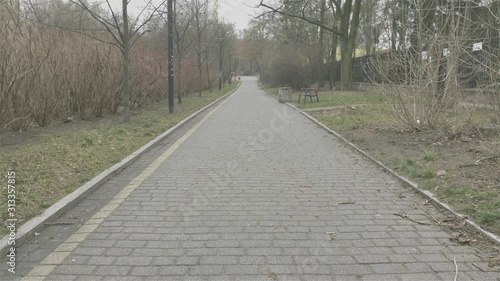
402,35
200,81
345,67
179,52
348,31
393,33
208,76
321,50
179,80
126,61
333,61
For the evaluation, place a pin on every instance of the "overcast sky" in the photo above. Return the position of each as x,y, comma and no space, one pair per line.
238,12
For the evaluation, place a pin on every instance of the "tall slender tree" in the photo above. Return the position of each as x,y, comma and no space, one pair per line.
348,14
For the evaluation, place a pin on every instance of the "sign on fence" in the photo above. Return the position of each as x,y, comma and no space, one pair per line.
477,46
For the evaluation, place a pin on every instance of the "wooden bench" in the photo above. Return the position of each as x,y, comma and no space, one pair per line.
310,92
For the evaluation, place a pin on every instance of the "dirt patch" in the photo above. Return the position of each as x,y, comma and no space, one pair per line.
463,170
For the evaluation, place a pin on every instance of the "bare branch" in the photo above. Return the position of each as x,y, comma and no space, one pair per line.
106,24
301,17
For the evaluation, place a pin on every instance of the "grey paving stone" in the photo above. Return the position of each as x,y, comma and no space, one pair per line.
77,259
206,270
242,269
87,278
145,271
65,277
391,268
113,270
243,199
231,251
382,277
75,269
118,252
218,260
89,251
101,260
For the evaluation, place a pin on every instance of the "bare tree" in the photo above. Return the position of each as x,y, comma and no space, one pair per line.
203,22
370,29
123,33
348,14
183,41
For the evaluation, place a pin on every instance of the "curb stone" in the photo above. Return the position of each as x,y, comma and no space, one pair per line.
426,194
28,229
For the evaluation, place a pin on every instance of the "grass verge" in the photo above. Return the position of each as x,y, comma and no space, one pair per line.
65,156
444,161
328,98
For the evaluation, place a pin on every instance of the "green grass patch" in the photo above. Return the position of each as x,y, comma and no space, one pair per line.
413,169
358,140
347,118
429,184
428,172
482,205
52,166
329,98
409,168
343,98
342,110
428,156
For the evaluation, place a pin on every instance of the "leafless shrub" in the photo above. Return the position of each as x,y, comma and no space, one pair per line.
432,63
48,74
61,59
147,83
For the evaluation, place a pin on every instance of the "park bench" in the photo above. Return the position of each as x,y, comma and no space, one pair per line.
310,92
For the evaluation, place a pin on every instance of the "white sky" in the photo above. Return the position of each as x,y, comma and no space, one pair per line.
238,12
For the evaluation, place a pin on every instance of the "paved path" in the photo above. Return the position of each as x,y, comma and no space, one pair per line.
255,192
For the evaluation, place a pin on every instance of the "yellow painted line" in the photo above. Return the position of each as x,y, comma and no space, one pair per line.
41,271
66,247
45,268
55,258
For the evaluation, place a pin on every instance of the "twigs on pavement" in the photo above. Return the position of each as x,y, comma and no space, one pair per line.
405,216
433,218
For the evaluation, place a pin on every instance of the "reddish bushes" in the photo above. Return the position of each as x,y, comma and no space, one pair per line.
50,74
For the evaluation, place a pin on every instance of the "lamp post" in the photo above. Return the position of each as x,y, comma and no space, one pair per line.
230,71
236,62
170,57
220,61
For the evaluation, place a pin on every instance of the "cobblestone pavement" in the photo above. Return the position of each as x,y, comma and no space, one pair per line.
255,192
